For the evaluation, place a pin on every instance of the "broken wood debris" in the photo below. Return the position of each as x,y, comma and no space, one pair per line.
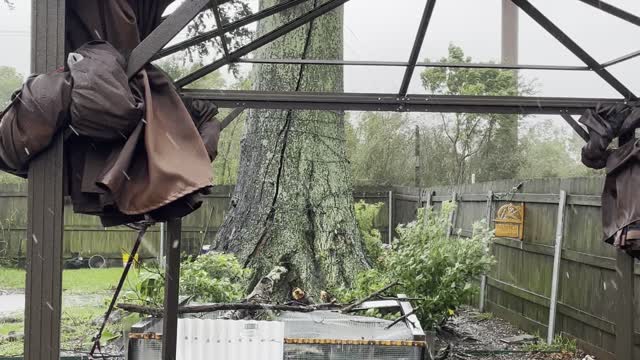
195,309
375,294
520,339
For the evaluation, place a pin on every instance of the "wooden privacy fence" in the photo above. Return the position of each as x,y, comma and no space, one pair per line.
522,287
84,234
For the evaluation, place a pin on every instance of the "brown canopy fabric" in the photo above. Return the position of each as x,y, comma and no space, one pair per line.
620,205
133,149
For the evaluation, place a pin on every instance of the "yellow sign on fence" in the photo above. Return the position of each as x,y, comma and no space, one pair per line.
510,221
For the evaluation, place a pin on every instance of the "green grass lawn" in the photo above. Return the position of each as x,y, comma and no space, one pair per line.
77,330
82,281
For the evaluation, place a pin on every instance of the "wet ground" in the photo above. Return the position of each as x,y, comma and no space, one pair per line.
471,335
14,303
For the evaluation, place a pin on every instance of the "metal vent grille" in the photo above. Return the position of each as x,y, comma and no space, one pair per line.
351,352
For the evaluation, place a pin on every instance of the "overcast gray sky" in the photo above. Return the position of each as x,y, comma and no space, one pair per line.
376,30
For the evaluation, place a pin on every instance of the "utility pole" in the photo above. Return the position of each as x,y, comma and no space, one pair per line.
417,154
509,33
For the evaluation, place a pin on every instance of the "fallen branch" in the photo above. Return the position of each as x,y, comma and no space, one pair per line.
443,353
400,299
261,294
403,317
360,302
194,309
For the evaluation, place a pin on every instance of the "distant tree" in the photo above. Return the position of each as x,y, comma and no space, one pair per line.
230,11
485,144
9,3
380,148
10,81
436,154
226,165
551,153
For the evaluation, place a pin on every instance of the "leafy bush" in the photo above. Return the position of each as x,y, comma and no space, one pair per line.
430,266
213,277
365,217
367,282
437,268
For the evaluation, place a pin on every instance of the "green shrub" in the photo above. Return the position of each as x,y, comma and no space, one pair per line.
209,278
367,282
214,277
437,268
429,266
365,217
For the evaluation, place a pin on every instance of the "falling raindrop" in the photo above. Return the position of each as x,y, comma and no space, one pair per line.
172,141
175,244
126,175
51,211
49,306
604,285
97,34
74,130
27,151
567,274
35,239
613,283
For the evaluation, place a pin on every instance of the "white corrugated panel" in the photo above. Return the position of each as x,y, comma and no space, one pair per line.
230,340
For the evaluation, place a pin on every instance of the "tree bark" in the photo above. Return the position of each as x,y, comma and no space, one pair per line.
293,203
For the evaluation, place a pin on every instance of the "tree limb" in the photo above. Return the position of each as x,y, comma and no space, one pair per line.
195,309
359,302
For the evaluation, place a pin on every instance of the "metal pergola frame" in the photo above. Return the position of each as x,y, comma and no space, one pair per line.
46,173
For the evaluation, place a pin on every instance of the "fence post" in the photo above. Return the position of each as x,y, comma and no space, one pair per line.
454,214
417,155
390,216
427,205
483,277
557,258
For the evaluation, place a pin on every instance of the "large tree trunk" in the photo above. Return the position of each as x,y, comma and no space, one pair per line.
293,203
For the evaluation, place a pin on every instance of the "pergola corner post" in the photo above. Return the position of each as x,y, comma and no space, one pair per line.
45,202
624,304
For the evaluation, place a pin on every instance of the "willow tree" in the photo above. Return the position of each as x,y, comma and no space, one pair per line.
293,205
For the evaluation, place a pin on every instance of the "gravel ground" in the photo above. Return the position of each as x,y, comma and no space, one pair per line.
470,333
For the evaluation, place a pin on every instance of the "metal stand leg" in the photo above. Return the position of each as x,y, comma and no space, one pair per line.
171,290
